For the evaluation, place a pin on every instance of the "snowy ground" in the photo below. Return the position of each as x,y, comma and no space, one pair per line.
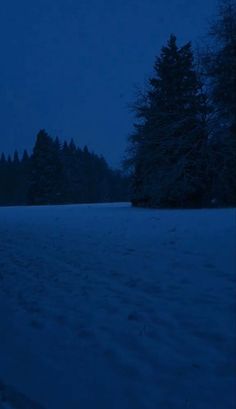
109,307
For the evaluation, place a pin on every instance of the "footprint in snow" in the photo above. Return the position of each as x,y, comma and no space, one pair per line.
60,319
134,316
12,399
36,324
83,331
172,230
128,252
132,283
210,266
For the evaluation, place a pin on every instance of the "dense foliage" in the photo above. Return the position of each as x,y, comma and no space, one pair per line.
183,147
219,64
56,174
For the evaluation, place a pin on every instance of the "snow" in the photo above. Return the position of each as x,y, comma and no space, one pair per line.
111,307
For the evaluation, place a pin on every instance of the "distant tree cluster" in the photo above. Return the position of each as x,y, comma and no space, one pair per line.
182,151
59,174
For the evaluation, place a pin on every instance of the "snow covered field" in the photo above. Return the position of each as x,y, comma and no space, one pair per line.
110,307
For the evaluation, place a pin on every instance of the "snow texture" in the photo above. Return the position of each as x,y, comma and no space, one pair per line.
111,307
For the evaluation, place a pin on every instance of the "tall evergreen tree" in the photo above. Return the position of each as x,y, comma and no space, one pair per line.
9,175
170,136
220,65
72,185
46,171
23,180
3,179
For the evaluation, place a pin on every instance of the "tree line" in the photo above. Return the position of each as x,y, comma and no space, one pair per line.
58,173
182,151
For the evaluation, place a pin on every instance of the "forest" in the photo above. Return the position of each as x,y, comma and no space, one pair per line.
181,153
58,173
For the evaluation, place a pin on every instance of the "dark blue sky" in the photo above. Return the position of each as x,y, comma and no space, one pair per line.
71,66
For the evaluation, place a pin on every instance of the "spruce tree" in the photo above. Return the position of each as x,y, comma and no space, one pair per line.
3,179
46,171
220,68
23,179
72,173
170,136
12,170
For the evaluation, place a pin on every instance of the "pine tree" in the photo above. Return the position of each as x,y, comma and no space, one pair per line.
220,65
73,173
23,179
25,157
3,179
46,171
11,179
170,136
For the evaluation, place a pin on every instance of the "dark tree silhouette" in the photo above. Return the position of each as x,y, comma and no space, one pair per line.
56,174
169,140
45,171
220,71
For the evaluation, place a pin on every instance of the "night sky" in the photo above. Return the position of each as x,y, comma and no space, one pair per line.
72,66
